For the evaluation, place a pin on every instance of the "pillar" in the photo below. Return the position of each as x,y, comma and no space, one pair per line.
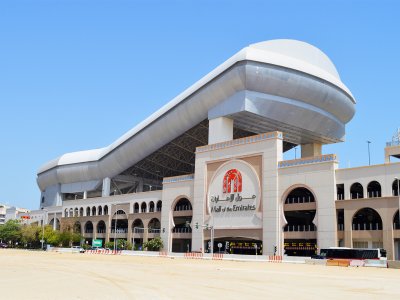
310,150
348,232
106,187
220,130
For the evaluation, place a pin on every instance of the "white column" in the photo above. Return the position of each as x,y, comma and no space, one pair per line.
106,187
272,227
220,130
310,150
85,195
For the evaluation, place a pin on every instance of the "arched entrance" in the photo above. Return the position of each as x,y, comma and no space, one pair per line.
396,228
300,233
137,234
367,220
119,226
182,232
57,225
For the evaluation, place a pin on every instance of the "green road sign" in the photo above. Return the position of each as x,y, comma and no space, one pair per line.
97,243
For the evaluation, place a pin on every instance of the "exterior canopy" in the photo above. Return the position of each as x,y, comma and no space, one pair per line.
283,85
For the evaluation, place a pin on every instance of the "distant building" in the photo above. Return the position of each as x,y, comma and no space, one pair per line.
15,213
3,211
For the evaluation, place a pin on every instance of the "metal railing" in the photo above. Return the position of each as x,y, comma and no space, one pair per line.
295,200
120,230
183,207
299,228
367,226
182,230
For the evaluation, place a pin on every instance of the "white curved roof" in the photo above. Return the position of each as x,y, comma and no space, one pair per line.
304,52
291,54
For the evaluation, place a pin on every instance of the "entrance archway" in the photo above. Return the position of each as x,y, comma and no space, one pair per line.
300,236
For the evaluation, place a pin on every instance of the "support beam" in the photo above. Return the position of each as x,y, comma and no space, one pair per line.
310,150
106,187
220,130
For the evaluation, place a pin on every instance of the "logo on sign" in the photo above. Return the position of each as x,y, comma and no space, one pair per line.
232,182
234,196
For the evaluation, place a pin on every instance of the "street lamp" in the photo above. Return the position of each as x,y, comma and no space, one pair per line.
115,227
369,156
42,240
398,196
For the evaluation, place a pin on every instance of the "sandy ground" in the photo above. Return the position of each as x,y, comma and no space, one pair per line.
43,275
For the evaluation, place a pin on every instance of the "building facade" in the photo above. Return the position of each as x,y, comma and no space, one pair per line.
206,172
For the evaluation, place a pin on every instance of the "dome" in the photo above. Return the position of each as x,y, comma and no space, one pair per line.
301,51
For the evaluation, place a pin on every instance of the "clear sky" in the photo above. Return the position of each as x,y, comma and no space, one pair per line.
76,75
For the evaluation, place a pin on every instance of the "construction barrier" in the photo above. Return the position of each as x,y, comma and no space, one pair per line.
163,254
357,263
376,263
275,258
107,252
338,262
193,255
217,256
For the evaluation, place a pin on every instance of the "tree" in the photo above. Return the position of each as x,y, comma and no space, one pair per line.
10,231
30,235
52,237
154,245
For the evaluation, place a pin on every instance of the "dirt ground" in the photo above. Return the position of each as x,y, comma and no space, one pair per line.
43,275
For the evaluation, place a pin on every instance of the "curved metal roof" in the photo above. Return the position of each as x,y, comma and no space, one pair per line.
316,79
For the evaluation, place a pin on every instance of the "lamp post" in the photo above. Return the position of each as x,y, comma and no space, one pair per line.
42,240
369,156
398,196
115,227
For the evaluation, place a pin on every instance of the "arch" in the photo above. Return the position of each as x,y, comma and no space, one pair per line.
76,212
121,214
66,213
367,219
159,205
298,221
101,227
395,188
374,189
71,212
300,195
93,210
151,206
81,212
88,227
143,207
77,227
183,204
232,182
138,223
105,209
88,211
154,224
396,221
136,208
57,225
100,210
356,191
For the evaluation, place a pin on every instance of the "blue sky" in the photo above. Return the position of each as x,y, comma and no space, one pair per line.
76,75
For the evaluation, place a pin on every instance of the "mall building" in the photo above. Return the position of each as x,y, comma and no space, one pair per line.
209,166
